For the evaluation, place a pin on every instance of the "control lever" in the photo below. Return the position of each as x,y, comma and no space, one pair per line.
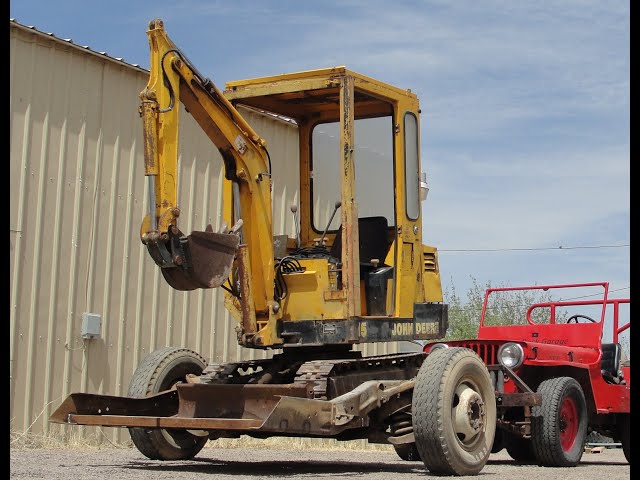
336,207
236,228
294,210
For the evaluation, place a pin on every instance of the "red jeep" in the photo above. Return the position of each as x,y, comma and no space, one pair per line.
555,380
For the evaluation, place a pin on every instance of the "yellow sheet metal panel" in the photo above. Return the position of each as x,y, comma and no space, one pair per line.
308,292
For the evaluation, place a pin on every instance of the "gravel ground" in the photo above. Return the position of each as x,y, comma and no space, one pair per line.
251,463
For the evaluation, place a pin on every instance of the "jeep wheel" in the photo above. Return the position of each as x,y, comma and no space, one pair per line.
624,432
559,425
454,412
159,371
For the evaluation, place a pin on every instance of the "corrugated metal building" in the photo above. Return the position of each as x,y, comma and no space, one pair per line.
77,198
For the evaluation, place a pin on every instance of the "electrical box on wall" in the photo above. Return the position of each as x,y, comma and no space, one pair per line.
91,325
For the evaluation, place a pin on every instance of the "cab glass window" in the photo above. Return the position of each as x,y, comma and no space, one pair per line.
373,159
411,166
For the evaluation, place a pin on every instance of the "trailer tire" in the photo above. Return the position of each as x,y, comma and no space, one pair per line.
159,371
559,425
454,412
520,449
498,441
407,452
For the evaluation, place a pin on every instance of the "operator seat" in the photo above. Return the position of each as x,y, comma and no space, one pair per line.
373,242
610,362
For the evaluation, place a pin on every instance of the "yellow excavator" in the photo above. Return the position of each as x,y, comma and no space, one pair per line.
361,275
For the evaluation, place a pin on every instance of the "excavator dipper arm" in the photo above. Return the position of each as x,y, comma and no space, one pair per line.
204,259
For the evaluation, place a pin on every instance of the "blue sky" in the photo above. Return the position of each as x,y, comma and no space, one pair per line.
525,109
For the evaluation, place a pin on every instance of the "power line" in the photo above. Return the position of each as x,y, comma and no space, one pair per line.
594,294
560,247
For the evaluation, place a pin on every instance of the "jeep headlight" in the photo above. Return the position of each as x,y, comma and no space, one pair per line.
511,355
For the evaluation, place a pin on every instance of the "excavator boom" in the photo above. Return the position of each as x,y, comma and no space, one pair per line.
203,259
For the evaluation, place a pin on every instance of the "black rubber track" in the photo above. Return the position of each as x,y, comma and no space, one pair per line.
159,371
546,423
433,399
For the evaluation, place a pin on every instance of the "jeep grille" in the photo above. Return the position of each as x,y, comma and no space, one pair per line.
488,352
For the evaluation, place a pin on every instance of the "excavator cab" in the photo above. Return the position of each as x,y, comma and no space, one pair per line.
356,270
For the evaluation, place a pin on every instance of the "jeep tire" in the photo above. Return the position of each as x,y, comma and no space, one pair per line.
559,425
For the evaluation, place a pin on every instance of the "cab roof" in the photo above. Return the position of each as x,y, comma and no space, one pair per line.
305,94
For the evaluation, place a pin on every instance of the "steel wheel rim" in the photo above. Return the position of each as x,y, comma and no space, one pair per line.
569,423
468,414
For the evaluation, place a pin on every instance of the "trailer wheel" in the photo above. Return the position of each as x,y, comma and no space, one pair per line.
454,412
520,449
498,441
559,425
407,452
159,371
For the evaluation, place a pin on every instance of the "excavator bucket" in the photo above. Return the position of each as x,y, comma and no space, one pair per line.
206,261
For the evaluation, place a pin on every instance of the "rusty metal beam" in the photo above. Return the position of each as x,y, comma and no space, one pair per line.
163,404
167,422
281,409
518,399
201,400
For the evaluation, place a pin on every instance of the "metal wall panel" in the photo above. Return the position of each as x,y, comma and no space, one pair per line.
77,197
